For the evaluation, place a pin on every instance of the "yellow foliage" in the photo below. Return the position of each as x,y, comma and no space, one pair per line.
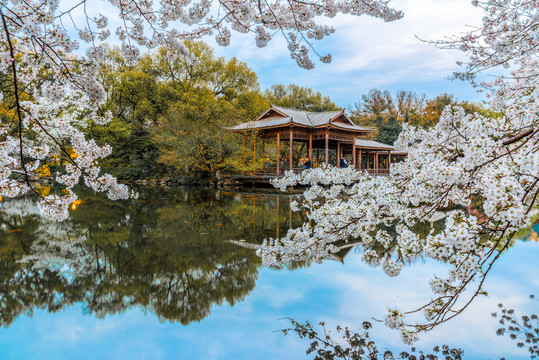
55,160
4,110
43,190
43,170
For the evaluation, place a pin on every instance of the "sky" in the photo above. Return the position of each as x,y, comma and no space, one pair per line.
369,53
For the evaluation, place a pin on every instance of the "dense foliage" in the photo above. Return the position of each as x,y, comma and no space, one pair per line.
170,116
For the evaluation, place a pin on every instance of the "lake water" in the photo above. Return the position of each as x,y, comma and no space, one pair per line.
173,275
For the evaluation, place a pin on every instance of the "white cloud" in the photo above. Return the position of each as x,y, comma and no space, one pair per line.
369,53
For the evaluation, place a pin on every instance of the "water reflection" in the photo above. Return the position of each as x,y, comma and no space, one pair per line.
173,252
167,255
169,252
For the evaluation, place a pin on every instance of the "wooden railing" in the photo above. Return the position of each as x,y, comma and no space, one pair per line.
272,171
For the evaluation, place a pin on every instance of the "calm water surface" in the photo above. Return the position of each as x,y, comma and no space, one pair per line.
173,275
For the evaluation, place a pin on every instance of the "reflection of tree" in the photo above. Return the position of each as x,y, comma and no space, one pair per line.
22,288
168,253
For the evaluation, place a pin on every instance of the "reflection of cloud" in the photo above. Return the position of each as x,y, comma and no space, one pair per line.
331,292
72,333
280,299
64,331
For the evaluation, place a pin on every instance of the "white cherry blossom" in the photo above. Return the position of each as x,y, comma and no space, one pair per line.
485,168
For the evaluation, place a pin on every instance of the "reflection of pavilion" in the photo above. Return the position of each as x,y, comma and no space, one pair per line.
328,136
339,256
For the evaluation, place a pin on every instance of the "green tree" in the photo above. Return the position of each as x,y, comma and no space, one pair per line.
299,97
193,136
379,109
148,100
214,94
388,129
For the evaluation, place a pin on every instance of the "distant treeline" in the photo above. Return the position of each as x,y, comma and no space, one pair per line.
386,113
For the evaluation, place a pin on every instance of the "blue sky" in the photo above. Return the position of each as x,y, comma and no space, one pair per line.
369,53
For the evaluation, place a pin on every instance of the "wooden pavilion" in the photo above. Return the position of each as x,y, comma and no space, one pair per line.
324,132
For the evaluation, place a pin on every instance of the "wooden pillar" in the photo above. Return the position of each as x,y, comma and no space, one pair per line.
338,153
243,151
263,152
254,150
327,146
278,153
376,161
359,160
291,155
354,162
311,148
388,159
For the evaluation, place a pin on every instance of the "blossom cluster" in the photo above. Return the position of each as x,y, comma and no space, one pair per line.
54,117
510,32
491,161
85,154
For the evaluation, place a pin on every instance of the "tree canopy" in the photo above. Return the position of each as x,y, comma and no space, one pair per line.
387,113
298,97
170,116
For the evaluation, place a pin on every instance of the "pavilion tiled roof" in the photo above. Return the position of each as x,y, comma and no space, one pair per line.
299,117
323,118
371,144
265,123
